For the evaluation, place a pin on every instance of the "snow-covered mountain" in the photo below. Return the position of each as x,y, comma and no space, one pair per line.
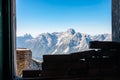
21,40
58,42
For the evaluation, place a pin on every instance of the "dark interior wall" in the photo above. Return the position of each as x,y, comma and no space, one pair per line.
7,40
0,39
116,20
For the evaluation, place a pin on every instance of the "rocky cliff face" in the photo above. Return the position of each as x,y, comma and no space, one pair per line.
23,58
24,61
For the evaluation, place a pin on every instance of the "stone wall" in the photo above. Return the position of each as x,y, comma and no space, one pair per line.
24,57
116,20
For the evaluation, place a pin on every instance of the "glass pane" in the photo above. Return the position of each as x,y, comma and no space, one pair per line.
60,27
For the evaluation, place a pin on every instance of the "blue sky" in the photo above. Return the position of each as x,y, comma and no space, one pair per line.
41,16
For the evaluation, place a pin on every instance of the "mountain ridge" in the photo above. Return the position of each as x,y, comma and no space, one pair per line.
58,42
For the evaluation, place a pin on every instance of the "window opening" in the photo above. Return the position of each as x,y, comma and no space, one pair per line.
59,27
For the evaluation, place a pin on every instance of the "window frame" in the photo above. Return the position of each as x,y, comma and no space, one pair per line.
8,39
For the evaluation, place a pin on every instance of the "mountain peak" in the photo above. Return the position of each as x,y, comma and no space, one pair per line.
71,31
28,36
